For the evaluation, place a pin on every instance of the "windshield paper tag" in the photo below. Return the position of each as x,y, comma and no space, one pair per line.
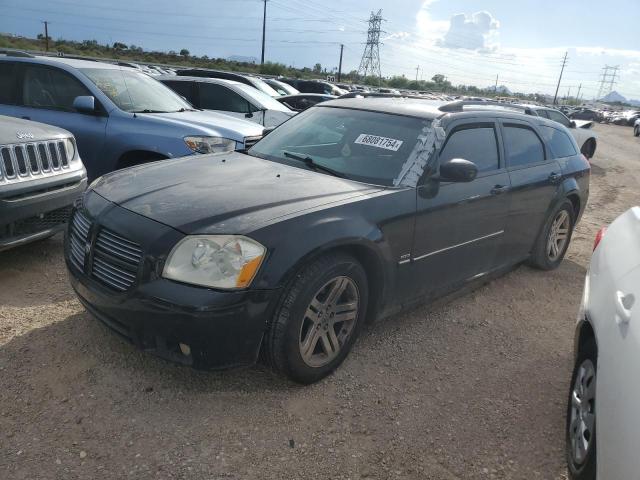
379,142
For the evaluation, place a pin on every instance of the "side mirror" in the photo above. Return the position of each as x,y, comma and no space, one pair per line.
248,115
572,124
458,170
85,104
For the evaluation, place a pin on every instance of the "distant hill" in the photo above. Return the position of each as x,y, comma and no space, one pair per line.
613,97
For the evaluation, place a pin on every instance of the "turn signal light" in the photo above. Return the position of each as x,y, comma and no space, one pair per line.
599,236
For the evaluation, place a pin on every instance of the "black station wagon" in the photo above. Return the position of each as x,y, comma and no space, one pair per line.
348,212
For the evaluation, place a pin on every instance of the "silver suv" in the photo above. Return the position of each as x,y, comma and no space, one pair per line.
41,175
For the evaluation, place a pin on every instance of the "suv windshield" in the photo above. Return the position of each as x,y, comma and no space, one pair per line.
356,144
135,92
263,86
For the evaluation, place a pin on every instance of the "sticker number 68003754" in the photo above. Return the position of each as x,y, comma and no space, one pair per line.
378,142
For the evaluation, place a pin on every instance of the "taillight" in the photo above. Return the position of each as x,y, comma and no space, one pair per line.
599,236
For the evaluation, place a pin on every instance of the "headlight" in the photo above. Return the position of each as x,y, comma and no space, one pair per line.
70,147
218,261
210,144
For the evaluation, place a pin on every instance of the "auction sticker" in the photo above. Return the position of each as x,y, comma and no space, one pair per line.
378,142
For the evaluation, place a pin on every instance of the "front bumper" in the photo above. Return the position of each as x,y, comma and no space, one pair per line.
39,209
222,329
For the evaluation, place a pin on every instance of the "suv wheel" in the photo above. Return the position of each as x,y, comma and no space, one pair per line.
553,241
581,416
636,131
318,320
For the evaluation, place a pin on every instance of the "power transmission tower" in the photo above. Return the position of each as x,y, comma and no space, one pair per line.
417,70
564,62
607,81
370,63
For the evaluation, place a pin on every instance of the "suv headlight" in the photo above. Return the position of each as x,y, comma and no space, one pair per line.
217,261
210,144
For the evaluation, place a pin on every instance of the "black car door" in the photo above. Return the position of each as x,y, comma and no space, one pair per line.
459,229
535,177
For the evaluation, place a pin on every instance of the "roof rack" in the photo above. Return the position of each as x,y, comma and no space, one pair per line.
16,53
458,105
358,94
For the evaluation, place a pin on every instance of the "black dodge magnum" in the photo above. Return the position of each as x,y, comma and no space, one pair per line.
346,213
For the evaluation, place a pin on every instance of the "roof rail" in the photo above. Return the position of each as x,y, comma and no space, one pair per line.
458,105
358,94
16,53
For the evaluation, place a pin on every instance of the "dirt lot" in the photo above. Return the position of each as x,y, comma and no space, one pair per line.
472,389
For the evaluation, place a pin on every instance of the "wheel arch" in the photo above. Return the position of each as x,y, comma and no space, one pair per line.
584,333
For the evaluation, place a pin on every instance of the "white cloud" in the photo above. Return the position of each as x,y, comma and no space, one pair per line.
478,32
397,36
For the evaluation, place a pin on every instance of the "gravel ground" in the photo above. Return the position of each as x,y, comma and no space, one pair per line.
474,388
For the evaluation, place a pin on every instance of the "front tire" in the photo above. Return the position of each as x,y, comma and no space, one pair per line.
552,243
636,131
318,320
581,415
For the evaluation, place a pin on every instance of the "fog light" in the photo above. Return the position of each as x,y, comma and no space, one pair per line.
185,349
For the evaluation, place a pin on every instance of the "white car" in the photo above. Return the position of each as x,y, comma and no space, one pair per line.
229,97
605,385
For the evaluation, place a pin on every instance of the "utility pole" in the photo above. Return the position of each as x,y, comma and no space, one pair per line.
568,96
264,29
495,89
564,62
46,36
578,95
340,64
417,70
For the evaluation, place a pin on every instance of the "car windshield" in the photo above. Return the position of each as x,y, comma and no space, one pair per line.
360,145
263,87
135,92
262,98
283,88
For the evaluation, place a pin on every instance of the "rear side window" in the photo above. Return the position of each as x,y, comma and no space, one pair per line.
476,144
45,87
523,146
559,117
6,83
560,143
217,97
181,88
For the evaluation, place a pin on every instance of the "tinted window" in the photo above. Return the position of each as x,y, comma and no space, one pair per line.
477,145
218,97
6,83
559,117
560,143
522,145
50,88
542,113
181,88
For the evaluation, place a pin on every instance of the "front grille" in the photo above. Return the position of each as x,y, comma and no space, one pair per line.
251,141
114,259
78,237
32,159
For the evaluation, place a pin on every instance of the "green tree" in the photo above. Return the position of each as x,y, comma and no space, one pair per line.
184,52
317,68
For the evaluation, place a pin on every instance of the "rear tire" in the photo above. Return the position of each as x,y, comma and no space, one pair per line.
636,131
581,415
319,317
558,228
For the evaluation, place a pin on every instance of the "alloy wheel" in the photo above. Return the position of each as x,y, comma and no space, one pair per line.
583,417
329,321
558,235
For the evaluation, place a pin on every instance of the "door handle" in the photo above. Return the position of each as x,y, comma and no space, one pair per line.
624,303
26,118
555,177
499,189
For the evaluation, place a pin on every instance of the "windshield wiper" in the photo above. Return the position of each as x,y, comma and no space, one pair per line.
146,110
187,110
311,163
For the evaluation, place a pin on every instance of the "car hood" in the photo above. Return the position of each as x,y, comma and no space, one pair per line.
223,193
212,123
584,123
17,130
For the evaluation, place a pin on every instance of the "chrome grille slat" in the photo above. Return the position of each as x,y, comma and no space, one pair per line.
23,161
115,250
120,241
63,154
123,275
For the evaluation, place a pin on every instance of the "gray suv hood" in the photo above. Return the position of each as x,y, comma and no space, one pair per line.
17,130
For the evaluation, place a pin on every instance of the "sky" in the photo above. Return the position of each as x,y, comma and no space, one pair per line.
523,42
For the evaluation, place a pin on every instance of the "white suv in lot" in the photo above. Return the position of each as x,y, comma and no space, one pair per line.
605,387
